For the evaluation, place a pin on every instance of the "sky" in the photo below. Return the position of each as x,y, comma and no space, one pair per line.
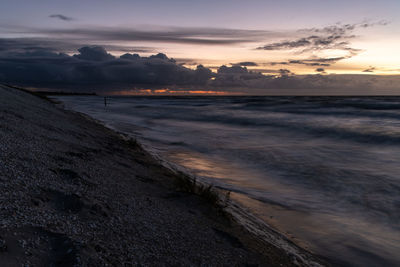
278,38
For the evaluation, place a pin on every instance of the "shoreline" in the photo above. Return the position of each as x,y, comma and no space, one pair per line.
258,243
241,214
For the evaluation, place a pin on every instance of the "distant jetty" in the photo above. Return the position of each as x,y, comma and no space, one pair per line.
62,93
49,93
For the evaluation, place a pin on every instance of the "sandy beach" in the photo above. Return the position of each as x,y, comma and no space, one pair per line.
75,193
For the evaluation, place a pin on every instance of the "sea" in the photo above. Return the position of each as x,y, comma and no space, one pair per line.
324,171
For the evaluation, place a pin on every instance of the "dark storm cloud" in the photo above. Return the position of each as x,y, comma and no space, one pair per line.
61,17
93,68
187,61
370,69
285,72
279,63
269,71
323,62
234,76
320,70
286,44
329,59
245,64
307,62
95,53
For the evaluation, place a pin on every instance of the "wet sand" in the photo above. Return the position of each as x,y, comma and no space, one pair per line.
74,193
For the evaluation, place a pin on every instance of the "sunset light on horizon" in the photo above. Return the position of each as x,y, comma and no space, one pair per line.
326,41
200,133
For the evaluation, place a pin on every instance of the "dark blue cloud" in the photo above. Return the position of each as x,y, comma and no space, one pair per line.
94,68
245,64
94,53
61,17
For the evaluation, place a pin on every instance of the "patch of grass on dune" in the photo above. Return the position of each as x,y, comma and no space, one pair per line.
208,192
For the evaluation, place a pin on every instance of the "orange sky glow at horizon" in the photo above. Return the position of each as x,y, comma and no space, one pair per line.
144,92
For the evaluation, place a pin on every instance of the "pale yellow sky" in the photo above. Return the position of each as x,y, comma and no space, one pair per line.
377,51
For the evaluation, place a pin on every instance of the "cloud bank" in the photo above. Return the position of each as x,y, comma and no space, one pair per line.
92,68
288,82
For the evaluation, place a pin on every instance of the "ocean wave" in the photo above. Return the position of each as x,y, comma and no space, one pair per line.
333,159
